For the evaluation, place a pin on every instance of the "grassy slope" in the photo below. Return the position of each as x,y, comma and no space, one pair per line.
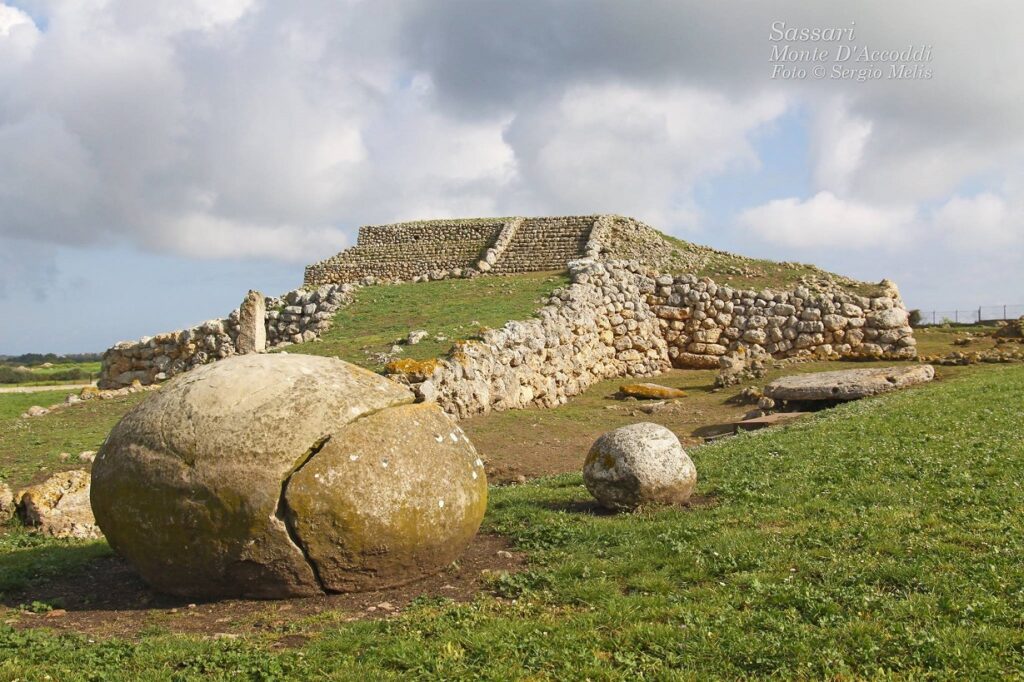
882,537
741,272
30,448
455,309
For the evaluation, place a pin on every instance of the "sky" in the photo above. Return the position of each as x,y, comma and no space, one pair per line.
158,159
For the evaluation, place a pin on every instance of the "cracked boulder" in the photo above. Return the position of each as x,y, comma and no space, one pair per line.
286,475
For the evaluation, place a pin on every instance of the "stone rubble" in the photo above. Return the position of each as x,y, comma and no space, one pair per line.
59,506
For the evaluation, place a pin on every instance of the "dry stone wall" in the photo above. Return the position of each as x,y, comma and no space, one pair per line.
438,249
546,244
300,315
400,252
620,318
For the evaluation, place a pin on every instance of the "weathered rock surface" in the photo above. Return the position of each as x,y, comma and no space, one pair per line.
59,506
379,506
651,391
416,336
6,502
252,329
638,464
195,485
848,384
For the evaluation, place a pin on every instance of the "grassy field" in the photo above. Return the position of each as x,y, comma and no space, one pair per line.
59,372
450,310
30,448
882,538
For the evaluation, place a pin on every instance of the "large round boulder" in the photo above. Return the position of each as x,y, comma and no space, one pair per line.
639,464
286,475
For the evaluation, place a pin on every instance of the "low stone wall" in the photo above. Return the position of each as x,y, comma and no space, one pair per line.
619,318
297,316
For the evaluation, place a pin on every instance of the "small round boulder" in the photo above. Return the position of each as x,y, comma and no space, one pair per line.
639,464
286,475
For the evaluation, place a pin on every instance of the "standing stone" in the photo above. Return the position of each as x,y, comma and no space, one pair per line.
252,326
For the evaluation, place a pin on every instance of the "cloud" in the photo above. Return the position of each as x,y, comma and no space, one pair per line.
825,220
838,141
247,129
979,223
628,149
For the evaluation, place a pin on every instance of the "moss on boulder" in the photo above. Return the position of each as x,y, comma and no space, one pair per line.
192,485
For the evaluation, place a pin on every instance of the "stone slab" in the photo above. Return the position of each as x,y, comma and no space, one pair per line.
848,384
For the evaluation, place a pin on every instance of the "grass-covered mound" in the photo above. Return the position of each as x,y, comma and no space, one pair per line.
881,537
449,310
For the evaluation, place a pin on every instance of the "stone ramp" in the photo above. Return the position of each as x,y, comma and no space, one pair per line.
546,244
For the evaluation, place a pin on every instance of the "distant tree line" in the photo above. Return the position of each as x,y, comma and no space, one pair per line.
35,359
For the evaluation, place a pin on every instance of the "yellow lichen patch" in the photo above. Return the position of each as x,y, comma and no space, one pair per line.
417,370
651,391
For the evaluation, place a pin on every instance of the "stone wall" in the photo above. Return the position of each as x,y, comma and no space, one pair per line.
436,249
620,318
401,252
546,244
300,315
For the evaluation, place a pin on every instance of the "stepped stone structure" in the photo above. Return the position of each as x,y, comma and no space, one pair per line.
438,249
634,308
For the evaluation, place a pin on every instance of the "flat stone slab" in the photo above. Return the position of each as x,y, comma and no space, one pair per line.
849,384
774,419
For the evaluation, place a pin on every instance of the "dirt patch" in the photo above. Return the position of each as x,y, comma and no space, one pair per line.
518,445
108,599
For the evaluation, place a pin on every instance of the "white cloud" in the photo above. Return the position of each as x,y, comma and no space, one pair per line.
838,141
633,150
980,223
825,220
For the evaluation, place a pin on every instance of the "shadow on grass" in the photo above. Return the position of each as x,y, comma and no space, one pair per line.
74,577
593,508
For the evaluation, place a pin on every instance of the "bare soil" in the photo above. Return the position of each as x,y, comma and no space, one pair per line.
111,600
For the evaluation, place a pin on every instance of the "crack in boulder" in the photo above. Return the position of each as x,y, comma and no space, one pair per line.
287,517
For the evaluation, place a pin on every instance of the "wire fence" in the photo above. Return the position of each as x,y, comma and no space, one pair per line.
985,313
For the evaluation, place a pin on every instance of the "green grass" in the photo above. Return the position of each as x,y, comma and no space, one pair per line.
62,372
457,309
759,274
25,557
30,448
879,539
